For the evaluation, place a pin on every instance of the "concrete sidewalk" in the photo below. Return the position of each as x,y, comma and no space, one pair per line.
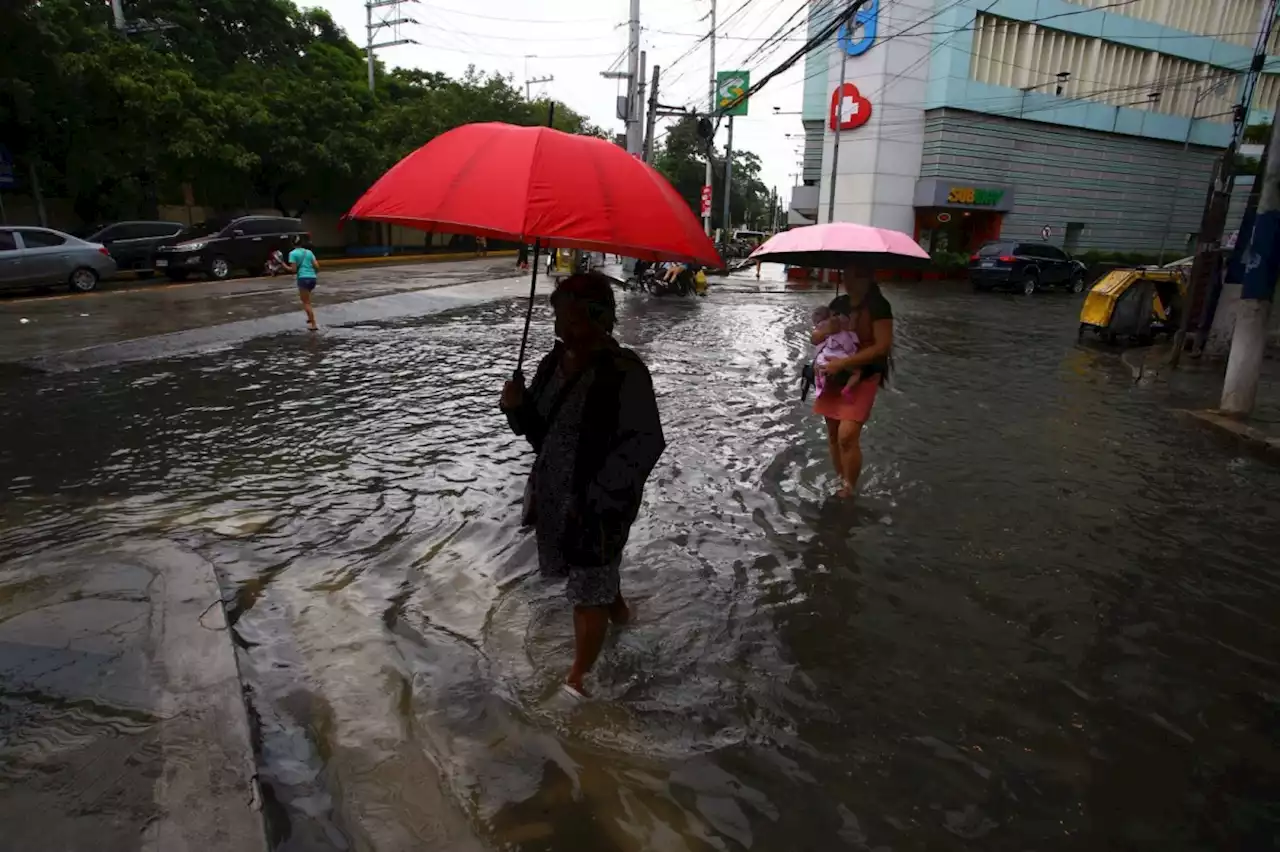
125,725
1260,431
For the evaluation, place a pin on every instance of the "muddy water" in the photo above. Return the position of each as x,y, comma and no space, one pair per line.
1049,623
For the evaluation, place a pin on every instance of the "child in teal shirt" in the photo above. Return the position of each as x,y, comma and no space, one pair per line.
302,260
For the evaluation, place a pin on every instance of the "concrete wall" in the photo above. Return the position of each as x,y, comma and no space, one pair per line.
1128,192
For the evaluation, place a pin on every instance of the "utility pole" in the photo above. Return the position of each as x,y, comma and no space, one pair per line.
640,109
634,72
392,21
117,13
725,220
1261,265
1208,261
529,84
850,16
711,110
651,117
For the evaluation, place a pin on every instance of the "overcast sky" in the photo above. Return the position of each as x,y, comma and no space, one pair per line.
574,40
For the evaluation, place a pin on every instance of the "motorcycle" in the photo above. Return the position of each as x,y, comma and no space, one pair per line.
683,284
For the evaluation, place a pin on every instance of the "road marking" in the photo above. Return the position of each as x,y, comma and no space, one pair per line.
254,292
152,289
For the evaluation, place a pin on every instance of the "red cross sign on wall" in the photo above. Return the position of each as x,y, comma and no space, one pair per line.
849,109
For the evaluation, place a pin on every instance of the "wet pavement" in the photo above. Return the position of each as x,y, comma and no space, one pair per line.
1049,622
44,326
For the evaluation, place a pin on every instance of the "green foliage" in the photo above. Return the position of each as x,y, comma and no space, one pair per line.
1257,134
682,159
949,261
250,102
1248,165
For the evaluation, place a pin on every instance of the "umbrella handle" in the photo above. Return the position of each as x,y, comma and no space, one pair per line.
518,375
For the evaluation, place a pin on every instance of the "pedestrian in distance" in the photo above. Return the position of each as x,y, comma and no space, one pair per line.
591,416
302,262
522,257
482,246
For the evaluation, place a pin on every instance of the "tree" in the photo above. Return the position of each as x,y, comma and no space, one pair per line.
248,102
683,161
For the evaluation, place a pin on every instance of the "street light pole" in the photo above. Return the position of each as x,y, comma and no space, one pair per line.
711,108
1214,218
1201,94
839,114
728,183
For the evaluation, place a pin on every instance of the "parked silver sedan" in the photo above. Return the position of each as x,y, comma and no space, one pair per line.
43,257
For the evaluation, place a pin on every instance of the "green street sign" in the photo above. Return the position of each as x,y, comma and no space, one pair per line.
730,88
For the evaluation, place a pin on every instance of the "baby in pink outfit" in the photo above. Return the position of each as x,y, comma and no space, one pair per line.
841,342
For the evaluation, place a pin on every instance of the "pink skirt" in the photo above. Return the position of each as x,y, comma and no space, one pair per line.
856,406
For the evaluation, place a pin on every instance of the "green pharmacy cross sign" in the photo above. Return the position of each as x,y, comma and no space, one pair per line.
730,88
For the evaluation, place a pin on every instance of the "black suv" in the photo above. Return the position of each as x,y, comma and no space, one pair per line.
220,246
132,244
1026,267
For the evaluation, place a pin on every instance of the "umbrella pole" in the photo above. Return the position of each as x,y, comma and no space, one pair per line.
528,311
533,281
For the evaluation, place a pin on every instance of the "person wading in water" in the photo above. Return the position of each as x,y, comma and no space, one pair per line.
871,318
302,261
591,416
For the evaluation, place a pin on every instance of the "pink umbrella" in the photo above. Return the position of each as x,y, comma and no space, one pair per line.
840,244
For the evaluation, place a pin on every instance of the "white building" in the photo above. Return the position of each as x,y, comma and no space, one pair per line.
971,119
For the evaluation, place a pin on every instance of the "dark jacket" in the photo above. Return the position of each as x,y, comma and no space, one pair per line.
619,442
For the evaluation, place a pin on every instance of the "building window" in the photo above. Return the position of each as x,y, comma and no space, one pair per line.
1023,55
1233,21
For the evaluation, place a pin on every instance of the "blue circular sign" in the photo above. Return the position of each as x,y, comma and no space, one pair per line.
867,19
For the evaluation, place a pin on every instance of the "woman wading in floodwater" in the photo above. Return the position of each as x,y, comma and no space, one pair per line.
591,416
871,317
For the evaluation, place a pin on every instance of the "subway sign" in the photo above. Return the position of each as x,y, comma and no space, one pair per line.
977,196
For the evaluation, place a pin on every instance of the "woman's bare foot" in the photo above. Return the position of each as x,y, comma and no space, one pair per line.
573,685
845,492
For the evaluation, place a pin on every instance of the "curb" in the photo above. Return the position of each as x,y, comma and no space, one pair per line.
1250,436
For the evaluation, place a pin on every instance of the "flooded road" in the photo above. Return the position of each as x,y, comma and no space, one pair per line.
1050,622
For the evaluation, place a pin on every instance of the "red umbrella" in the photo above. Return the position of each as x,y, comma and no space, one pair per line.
539,185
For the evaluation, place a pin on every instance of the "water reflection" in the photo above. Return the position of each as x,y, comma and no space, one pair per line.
1048,624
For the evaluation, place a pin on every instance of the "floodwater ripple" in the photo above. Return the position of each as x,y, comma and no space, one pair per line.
1049,623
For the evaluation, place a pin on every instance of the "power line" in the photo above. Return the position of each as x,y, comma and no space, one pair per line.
937,47
524,38
956,31
520,20
508,55
1114,39
803,6
994,115
671,82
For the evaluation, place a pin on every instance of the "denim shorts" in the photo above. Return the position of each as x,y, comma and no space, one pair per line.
307,284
